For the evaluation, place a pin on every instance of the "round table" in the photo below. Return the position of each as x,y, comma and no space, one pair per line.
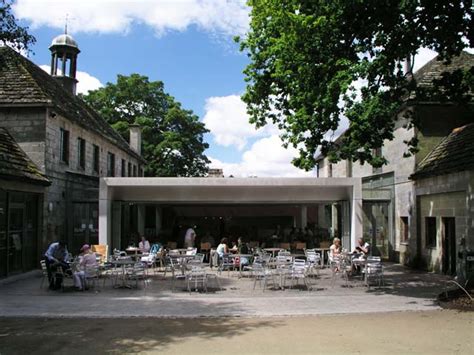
123,263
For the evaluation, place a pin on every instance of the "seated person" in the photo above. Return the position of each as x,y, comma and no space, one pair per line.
335,251
362,247
234,248
87,260
222,248
243,249
144,245
56,257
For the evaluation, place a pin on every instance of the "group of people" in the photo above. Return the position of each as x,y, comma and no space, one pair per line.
361,250
56,259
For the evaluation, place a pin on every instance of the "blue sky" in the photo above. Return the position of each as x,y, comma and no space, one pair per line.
188,45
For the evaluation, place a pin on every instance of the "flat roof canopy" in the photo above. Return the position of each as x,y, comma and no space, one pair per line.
229,190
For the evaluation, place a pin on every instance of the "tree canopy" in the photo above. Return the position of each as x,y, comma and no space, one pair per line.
11,33
313,62
172,137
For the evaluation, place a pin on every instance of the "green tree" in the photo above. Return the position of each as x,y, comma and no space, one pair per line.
172,138
306,56
11,33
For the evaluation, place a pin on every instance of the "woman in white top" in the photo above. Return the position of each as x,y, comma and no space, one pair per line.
144,246
335,249
87,261
222,248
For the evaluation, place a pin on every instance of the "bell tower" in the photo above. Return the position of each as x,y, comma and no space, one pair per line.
64,51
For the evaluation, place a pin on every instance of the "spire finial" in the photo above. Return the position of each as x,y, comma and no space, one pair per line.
65,26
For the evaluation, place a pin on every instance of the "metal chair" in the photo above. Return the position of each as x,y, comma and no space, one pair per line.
198,276
261,274
313,259
299,271
44,271
374,270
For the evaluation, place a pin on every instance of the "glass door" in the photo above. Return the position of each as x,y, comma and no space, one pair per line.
15,238
377,227
85,226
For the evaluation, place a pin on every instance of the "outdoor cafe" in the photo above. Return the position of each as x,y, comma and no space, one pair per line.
277,257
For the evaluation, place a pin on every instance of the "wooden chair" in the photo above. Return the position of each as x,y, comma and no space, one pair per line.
172,245
101,251
300,246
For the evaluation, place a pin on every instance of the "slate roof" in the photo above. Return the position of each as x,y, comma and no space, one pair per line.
15,164
434,68
23,83
454,153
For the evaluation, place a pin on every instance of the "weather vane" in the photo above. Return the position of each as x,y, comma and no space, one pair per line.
65,26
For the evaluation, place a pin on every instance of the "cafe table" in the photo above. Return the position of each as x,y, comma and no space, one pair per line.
181,260
273,251
240,256
135,251
324,252
123,263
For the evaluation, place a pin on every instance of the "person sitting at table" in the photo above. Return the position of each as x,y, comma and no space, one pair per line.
234,248
87,260
362,247
335,252
243,249
144,245
55,257
222,248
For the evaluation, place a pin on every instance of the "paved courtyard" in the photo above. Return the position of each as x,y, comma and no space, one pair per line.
404,290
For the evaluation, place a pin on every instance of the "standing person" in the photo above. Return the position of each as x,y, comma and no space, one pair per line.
335,252
56,257
189,238
144,245
87,260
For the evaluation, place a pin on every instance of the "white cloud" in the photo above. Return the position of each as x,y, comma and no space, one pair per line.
266,157
227,119
423,56
222,16
85,83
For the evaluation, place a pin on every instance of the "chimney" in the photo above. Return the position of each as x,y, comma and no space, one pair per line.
136,138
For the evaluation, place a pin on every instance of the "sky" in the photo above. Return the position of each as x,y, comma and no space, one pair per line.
187,44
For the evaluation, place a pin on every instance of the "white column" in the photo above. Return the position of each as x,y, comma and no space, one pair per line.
357,213
104,214
116,224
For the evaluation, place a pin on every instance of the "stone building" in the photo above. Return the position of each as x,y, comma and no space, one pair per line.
389,195
66,139
444,187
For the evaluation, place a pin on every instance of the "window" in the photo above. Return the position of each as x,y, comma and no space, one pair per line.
430,231
124,167
404,229
140,171
129,169
81,153
64,146
134,170
96,159
110,164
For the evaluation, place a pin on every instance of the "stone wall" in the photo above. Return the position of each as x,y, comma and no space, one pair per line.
450,195
27,127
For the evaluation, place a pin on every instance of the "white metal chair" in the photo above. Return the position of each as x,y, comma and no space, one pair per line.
197,276
44,271
261,274
299,271
374,271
